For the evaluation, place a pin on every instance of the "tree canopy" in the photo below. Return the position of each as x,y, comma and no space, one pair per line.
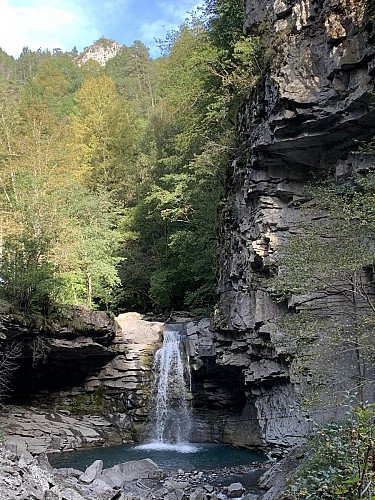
112,177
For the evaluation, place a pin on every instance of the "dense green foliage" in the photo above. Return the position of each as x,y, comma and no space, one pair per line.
330,257
111,177
337,242
341,461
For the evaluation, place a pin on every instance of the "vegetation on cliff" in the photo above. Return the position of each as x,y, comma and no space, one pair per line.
332,255
340,464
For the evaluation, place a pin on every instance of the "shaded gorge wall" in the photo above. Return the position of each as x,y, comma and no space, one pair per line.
302,121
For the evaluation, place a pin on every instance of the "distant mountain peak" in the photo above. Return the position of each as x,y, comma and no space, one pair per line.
102,50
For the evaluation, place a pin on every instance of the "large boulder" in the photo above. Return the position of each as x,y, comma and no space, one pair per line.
128,471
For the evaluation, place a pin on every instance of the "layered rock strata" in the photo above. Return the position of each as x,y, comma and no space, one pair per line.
304,117
68,379
30,430
127,378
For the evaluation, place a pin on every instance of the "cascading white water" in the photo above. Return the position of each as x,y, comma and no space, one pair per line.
172,421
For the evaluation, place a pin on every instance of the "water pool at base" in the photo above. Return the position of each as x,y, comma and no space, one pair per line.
189,456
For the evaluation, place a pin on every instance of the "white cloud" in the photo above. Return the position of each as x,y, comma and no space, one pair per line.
65,23
155,30
171,16
113,6
44,24
178,11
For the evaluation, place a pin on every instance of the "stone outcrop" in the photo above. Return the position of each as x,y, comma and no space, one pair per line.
68,378
35,432
127,378
304,117
239,398
59,355
101,51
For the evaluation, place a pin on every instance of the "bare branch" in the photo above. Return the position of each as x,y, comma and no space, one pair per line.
8,366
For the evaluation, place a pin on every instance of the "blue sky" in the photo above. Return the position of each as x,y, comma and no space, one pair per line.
49,24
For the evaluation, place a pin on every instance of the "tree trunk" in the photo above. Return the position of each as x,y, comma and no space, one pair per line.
89,289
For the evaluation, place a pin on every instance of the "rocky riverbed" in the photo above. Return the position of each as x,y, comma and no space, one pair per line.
25,477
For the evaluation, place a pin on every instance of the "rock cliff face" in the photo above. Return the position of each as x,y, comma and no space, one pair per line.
314,101
69,378
102,50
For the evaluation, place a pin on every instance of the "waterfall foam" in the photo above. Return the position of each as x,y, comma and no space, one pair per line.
171,420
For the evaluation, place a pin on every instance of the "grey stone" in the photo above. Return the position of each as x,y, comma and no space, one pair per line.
52,494
37,494
101,487
198,494
15,444
128,471
68,472
44,463
273,480
25,459
175,495
235,490
175,485
71,494
92,472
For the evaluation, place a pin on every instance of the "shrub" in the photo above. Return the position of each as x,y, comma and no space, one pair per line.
341,464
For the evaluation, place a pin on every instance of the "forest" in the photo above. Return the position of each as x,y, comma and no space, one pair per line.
112,177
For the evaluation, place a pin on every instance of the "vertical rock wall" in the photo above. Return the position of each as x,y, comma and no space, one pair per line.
127,378
304,117
69,379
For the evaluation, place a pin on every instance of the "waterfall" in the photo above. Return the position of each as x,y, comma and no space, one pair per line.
171,416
